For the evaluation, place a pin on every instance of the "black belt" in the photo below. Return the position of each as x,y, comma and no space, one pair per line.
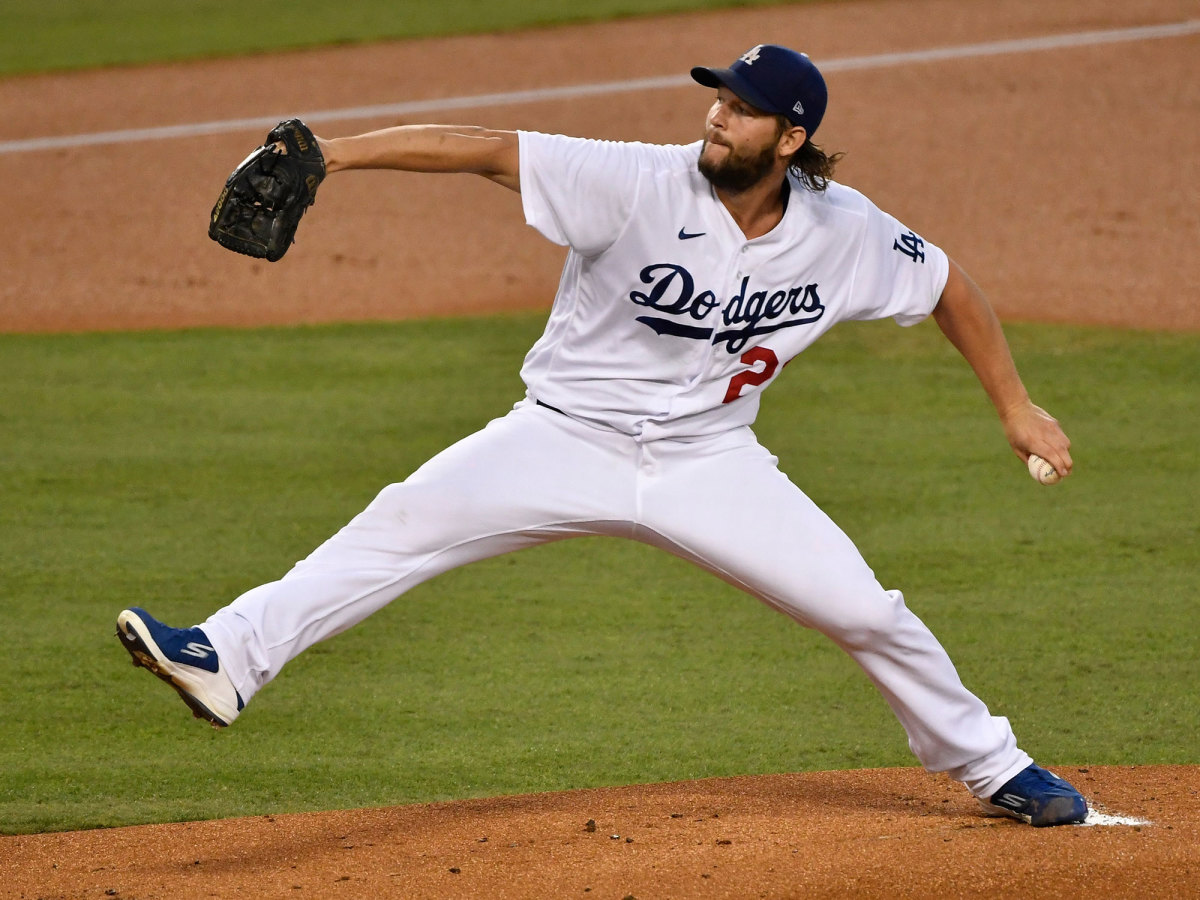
549,407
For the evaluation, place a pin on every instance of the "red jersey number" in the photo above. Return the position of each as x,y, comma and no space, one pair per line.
753,375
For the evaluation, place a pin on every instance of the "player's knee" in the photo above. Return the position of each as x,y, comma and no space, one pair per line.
424,518
407,502
863,622
412,517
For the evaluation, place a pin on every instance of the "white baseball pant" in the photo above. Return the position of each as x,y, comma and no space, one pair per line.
537,475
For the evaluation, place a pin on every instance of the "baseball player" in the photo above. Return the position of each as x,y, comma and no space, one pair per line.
694,274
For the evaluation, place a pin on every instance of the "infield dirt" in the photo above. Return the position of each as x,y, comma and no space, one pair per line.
1064,180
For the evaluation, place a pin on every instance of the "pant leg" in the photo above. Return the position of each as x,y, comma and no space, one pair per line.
527,478
725,505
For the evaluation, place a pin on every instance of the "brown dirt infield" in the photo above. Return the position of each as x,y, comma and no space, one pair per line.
1065,181
883,833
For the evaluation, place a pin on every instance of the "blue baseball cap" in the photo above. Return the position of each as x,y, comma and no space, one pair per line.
775,79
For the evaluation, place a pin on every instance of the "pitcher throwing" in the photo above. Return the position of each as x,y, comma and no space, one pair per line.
694,274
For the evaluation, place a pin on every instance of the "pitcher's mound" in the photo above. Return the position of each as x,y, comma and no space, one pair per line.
890,833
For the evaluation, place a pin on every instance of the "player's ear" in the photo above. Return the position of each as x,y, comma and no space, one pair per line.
791,140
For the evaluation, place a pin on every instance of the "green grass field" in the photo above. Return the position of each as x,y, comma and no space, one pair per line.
71,34
178,469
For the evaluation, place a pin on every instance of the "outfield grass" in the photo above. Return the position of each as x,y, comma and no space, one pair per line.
69,34
178,469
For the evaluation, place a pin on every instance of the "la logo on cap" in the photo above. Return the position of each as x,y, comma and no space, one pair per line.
750,55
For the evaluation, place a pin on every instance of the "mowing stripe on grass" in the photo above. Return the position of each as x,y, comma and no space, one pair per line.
511,98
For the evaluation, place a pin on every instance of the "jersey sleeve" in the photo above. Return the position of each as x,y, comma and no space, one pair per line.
899,274
578,192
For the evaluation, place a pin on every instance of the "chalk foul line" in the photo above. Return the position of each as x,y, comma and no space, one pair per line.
569,92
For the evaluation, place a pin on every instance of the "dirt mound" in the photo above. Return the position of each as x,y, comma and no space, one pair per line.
890,833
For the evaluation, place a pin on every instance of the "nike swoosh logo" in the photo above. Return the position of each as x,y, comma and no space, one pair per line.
684,236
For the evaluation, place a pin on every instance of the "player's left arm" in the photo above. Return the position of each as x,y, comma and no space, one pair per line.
430,148
967,319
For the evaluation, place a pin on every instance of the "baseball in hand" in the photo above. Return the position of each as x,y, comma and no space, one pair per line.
1041,471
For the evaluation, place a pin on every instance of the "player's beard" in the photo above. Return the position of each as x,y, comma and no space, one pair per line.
737,172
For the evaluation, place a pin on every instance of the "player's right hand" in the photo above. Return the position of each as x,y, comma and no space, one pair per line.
1030,429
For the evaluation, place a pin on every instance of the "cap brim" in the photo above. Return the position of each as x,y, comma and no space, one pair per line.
717,77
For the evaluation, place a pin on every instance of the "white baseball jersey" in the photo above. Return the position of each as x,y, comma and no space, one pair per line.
668,322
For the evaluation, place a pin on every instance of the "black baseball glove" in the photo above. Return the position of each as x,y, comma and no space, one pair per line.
261,204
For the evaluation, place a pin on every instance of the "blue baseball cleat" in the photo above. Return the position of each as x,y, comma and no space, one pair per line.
1038,797
184,659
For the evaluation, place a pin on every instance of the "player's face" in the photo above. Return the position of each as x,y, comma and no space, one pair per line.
741,143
